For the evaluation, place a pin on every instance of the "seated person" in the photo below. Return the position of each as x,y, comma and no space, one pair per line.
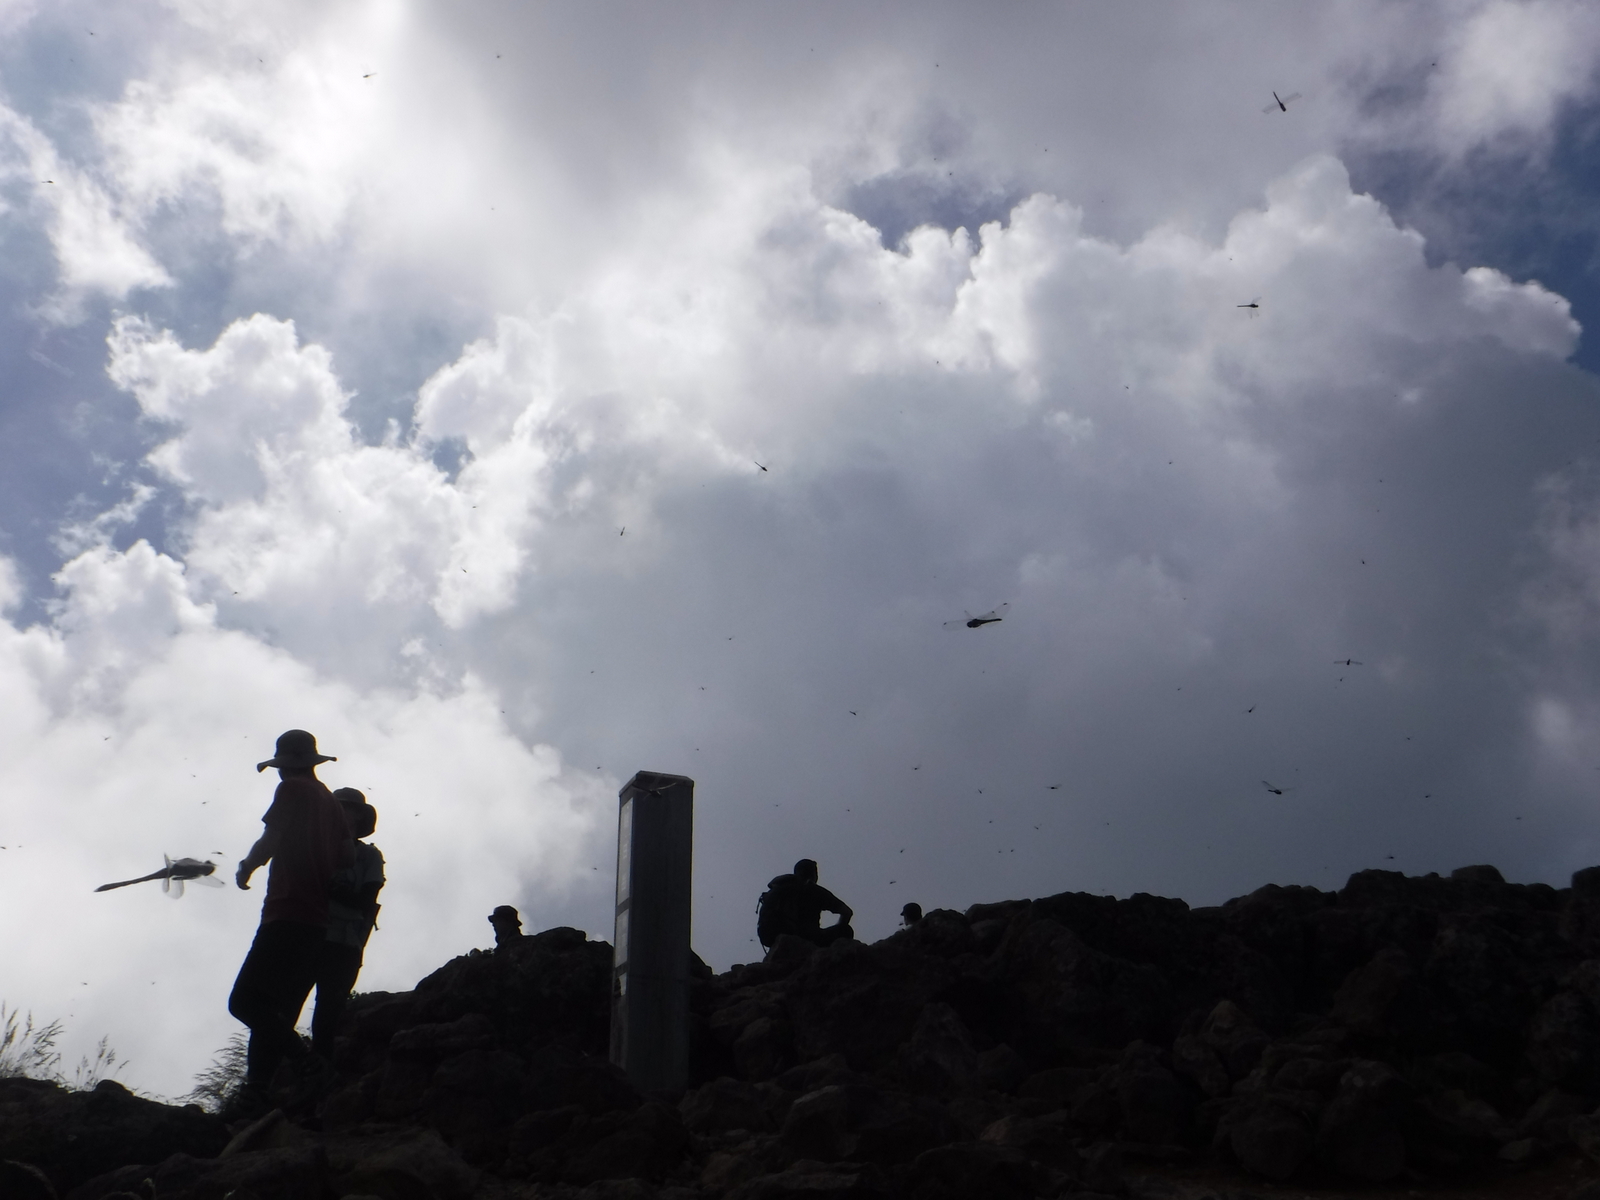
910,915
795,903
507,926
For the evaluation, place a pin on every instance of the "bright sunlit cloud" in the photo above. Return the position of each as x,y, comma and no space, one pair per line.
517,403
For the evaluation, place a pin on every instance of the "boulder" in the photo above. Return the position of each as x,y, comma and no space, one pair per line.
968,1170
1374,998
74,1136
398,1164
1001,1069
1153,1109
1359,1134
1270,1140
802,1184
1564,1044
24,1181
1234,1038
722,1105
939,1056
289,1173
1197,1062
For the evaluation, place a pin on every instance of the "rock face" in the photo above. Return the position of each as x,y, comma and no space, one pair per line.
1401,1026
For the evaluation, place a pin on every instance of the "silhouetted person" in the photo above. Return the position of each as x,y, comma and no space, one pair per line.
306,840
352,913
507,926
910,915
795,903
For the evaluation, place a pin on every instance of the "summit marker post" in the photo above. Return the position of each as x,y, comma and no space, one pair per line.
650,975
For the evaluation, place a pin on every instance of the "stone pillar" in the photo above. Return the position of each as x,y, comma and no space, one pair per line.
650,976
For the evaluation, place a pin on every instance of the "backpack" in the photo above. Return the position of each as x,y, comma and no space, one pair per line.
775,911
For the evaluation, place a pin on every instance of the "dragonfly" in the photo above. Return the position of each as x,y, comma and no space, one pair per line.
1281,104
992,617
1276,791
174,875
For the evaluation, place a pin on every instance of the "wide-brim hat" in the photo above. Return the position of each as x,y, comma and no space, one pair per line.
505,912
297,750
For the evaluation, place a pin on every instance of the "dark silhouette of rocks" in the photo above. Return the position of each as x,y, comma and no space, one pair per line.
1401,1030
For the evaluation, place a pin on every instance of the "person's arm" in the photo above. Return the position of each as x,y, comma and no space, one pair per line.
368,899
832,903
260,854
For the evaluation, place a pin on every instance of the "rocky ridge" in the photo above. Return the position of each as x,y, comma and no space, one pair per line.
1417,1031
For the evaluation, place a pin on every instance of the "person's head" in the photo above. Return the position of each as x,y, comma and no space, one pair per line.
358,814
507,924
911,914
296,754
806,869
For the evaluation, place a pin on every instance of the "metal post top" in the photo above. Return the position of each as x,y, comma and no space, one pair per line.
653,783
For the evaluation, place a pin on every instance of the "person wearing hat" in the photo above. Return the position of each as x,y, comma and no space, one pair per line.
507,926
911,914
352,916
306,840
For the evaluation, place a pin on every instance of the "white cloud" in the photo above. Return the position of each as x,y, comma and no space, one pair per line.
95,246
132,729
1193,508
1510,66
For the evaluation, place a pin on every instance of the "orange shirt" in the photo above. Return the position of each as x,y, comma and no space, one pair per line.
313,842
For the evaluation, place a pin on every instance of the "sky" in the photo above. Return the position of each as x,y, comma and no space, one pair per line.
518,397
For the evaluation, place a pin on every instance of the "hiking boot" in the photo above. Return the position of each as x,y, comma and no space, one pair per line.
313,1078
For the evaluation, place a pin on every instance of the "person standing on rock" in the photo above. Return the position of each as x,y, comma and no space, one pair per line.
795,903
352,915
306,840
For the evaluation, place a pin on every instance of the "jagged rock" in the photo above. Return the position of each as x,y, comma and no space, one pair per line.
288,1173
1269,1139
1198,1063
939,1056
1549,1118
1564,1043
764,1048
24,1181
399,1165
801,1184
645,1143
820,1124
1359,1135
1436,1023
1001,1069
1058,1085
1046,1139
1374,997
1073,996
724,1104
271,1132
969,1169
75,1136
1235,1039
1153,1109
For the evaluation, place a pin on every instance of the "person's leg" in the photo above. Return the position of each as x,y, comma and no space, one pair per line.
834,933
338,966
274,975
252,1001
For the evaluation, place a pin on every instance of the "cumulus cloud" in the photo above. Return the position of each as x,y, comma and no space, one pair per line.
1509,67
748,406
133,723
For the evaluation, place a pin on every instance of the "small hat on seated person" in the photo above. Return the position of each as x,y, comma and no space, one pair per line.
297,750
